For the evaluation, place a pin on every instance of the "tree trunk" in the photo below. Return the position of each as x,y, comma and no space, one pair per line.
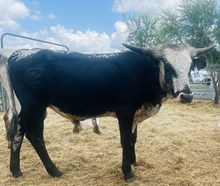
216,86
216,100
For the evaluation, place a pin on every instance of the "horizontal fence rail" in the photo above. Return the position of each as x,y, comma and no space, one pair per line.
29,38
202,90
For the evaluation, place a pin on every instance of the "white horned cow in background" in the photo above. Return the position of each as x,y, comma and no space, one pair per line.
129,85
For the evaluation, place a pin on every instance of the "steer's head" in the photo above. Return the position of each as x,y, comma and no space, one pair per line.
175,63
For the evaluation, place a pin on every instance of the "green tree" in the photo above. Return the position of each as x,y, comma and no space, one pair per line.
170,26
144,30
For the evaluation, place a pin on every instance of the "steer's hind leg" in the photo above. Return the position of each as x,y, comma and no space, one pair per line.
77,126
15,148
34,133
95,126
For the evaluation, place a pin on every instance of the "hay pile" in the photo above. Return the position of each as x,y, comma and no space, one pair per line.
180,146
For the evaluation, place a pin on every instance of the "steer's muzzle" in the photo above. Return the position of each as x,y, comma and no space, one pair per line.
185,96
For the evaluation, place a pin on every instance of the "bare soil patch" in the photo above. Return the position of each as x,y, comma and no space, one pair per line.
180,146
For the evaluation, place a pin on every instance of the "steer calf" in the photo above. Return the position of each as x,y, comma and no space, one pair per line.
129,85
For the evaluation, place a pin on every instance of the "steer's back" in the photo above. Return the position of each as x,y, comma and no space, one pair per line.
83,84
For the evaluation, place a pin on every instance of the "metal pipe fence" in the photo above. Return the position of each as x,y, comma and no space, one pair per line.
4,98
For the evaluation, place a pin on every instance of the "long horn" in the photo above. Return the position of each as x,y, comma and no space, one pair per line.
199,51
141,50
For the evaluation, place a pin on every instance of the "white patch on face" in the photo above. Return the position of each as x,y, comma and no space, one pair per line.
181,62
25,53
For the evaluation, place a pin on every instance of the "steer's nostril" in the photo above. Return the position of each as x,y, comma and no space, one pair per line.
186,98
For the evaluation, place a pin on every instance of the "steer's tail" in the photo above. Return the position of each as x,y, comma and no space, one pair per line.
12,123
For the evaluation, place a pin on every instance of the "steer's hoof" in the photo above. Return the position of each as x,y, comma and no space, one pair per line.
77,129
134,163
129,177
17,174
57,174
96,130
54,172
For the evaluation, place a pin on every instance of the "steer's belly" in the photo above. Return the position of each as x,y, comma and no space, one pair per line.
145,111
78,118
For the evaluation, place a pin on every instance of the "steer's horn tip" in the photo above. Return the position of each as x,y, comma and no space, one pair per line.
134,48
211,47
127,45
199,51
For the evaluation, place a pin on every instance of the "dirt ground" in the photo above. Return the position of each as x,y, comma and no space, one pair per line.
180,146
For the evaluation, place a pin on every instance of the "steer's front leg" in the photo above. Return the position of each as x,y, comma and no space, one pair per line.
125,118
133,154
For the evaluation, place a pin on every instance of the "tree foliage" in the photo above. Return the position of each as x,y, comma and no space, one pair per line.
193,22
144,30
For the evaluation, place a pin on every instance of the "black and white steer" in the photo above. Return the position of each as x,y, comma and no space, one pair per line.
129,85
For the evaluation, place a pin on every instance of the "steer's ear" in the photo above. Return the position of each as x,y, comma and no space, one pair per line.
199,63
